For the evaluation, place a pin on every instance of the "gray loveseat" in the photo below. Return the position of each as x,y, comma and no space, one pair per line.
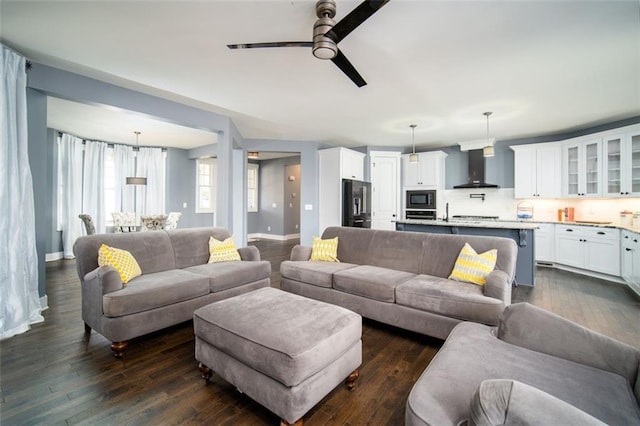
549,370
400,278
176,280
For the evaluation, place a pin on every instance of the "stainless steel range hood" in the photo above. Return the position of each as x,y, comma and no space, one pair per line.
476,172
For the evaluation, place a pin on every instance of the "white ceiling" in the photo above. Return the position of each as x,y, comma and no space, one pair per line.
542,67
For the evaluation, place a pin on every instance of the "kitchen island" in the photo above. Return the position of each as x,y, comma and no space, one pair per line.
520,232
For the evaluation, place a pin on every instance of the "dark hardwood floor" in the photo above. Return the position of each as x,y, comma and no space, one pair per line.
55,374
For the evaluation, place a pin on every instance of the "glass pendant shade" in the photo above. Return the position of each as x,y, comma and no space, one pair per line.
488,151
413,158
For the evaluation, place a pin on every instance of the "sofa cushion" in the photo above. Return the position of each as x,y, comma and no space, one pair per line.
191,245
372,282
155,290
324,250
285,336
472,354
472,267
449,298
223,251
121,260
315,273
225,275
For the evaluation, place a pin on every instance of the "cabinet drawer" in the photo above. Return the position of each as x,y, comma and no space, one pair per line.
602,233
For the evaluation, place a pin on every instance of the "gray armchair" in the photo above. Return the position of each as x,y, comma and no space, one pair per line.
87,221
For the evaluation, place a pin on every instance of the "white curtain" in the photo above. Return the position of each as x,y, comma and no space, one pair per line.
93,183
19,299
71,163
124,162
150,198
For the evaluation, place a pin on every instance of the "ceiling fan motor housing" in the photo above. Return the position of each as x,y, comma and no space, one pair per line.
324,47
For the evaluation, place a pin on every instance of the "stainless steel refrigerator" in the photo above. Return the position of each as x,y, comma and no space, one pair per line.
356,203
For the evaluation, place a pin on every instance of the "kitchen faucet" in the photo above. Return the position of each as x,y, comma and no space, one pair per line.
446,212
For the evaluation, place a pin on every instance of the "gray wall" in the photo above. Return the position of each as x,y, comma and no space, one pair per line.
272,191
181,188
36,115
54,237
291,199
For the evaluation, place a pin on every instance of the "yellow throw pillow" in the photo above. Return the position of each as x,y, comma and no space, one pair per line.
472,267
122,260
324,250
223,251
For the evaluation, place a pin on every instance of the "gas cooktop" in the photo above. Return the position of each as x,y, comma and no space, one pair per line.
474,217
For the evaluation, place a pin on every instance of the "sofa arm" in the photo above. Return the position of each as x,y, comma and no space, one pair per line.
534,328
249,253
300,253
106,278
502,402
498,286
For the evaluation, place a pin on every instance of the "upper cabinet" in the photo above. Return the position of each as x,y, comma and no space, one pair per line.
621,162
428,172
582,168
537,170
351,164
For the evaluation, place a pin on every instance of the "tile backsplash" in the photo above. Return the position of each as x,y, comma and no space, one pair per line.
501,202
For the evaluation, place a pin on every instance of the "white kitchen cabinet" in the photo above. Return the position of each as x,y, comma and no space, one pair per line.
621,163
630,253
427,173
538,170
352,164
582,168
335,164
588,247
545,246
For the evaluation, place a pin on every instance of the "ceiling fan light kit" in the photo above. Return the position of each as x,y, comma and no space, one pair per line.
327,34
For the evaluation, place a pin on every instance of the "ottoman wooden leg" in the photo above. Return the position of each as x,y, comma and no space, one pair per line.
207,373
351,380
298,422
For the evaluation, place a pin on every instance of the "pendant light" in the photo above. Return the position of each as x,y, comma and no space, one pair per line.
488,151
134,180
413,158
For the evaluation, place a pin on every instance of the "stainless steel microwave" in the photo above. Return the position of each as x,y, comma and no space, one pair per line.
424,199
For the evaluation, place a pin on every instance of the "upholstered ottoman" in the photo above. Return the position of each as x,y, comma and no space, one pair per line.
284,351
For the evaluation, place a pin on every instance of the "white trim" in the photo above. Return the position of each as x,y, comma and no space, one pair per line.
50,257
258,236
44,303
477,144
588,273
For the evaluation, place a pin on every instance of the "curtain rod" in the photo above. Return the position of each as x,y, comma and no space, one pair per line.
111,144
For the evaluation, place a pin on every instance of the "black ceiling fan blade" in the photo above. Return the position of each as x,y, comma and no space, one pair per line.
343,63
356,17
271,44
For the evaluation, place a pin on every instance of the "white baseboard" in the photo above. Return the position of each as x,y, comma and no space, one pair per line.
44,303
50,257
260,236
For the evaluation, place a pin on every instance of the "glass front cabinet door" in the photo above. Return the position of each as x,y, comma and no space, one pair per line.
621,155
582,169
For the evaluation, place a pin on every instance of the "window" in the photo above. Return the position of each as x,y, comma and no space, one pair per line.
206,178
252,187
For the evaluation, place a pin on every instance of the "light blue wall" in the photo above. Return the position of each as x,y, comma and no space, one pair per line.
273,191
37,116
181,188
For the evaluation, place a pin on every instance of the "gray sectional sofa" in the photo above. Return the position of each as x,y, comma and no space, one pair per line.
400,278
535,368
176,280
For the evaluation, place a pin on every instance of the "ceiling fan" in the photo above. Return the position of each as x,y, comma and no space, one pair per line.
327,34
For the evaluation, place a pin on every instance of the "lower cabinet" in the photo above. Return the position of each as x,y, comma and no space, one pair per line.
591,248
545,247
630,265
